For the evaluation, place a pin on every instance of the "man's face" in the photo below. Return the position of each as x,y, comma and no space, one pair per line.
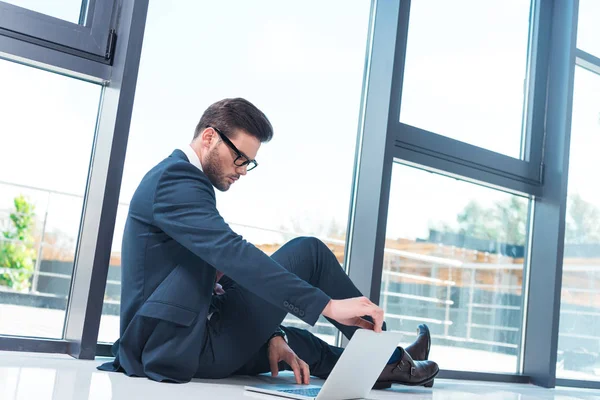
219,164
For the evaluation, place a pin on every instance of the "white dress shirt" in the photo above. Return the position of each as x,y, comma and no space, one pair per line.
192,156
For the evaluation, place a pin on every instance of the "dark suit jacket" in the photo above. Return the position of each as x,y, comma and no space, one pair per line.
174,239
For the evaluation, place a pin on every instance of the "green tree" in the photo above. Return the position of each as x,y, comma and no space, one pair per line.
16,250
505,221
583,221
512,217
477,221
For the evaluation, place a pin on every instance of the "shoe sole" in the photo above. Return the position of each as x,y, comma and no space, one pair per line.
387,384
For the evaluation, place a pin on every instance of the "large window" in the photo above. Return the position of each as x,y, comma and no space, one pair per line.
454,260
302,64
466,66
46,137
579,338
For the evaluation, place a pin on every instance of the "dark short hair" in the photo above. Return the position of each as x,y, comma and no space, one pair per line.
228,115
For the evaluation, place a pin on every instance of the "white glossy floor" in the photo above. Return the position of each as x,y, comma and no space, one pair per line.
49,323
25,376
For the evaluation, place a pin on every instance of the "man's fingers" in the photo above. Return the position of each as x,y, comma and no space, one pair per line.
297,372
363,323
376,314
273,362
305,372
378,319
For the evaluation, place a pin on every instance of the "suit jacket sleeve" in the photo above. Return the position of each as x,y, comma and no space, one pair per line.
184,208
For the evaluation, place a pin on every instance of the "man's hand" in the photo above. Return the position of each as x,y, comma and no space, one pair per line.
350,312
218,289
280,351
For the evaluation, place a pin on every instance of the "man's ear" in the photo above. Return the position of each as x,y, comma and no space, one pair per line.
207,136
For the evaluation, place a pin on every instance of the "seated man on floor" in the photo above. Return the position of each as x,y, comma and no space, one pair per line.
197,300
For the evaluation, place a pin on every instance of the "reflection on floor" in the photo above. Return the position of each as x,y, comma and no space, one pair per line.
41,322
25,376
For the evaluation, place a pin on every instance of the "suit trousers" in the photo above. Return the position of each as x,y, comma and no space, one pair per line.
242,322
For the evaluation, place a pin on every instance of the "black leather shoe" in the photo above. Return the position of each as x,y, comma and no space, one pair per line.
407,372
419,350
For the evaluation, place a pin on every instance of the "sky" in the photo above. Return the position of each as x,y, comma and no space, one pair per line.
302,64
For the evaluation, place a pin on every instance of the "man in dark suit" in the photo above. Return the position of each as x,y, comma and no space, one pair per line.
197,300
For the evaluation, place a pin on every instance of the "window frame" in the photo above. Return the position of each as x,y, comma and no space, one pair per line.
526,174
92,254
541,175
91,38
591,63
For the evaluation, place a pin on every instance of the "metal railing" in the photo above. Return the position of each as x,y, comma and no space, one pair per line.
432,263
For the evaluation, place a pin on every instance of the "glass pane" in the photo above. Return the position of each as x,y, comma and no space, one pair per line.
46,138
268,55
68,10
579,337
465,71
454,260
588,30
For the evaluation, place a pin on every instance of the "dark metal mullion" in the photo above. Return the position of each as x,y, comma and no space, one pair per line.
374,158
103,21
339,340
466,154
421,140
547,245
536,132
84,309
382,213
34,345
53,46
536,98
393,118
399,65
537,127
467,173
526,152
360,134
52,60
483,376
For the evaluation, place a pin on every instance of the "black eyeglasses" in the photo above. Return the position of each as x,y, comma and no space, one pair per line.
241,160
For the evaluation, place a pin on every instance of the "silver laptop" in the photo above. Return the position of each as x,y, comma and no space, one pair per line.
354,374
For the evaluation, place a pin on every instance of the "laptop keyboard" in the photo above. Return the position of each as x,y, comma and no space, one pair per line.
313,392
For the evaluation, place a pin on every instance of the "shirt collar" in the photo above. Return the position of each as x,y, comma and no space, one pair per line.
192,156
